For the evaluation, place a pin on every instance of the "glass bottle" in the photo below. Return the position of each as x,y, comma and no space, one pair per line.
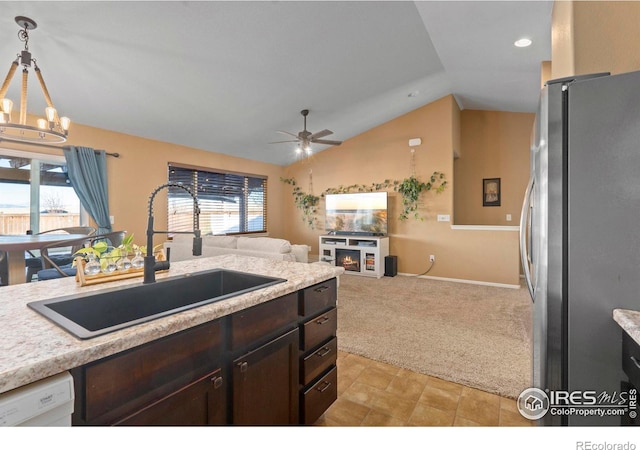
92,267
124,263
138,261
109,264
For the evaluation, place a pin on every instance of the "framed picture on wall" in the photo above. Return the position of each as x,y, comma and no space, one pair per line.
491,192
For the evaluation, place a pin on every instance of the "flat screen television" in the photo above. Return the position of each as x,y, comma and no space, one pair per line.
363,213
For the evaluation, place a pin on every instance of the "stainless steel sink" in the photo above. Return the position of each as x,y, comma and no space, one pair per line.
101,312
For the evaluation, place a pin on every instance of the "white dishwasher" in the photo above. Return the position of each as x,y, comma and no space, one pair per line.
45,403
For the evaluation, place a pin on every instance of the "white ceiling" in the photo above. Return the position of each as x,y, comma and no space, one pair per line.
224,76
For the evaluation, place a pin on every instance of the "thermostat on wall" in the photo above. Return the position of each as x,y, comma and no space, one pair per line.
415,142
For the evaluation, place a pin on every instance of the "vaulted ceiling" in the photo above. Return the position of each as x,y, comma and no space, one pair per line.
225,76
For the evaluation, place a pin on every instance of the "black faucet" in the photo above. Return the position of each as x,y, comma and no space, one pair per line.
150,264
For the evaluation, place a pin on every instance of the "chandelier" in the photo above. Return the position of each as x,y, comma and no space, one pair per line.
52,129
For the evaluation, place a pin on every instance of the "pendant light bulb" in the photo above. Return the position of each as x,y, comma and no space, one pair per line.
65,122
50,113
7,106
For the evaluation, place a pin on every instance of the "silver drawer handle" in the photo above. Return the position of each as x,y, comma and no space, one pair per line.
325,351
325,387
635,361
325,319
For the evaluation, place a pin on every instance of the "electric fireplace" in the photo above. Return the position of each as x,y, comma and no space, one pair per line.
349,259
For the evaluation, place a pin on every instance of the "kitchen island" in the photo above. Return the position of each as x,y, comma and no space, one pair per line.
629,321
33,348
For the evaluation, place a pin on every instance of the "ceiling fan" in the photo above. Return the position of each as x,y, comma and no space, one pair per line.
305,138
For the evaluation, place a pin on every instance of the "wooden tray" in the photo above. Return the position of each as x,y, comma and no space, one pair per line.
88,280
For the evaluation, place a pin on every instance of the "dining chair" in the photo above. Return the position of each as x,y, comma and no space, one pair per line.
53,270
63,257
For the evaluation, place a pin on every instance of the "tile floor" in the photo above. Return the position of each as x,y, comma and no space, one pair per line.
371,393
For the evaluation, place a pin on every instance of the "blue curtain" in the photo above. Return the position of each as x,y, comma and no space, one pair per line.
87,171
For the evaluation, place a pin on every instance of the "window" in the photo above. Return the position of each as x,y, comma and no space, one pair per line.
229,202
35,193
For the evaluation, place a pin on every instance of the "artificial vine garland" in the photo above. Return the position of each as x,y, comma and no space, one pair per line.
410,189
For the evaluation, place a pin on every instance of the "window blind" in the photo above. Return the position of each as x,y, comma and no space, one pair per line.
229,202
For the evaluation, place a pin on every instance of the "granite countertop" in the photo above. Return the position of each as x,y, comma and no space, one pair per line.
33,348
629,320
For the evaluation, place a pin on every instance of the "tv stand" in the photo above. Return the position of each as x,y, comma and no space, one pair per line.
359,255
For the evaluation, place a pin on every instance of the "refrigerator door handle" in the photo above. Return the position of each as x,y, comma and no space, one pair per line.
525,229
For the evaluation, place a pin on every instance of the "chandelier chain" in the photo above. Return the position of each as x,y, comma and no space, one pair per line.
23,35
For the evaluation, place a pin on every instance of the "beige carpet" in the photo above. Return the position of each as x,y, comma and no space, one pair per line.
479,336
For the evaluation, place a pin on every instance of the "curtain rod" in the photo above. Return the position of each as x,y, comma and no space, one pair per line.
115,155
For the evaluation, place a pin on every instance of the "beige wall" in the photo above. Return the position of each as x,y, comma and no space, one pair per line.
142,166
494,145
598,36
562,34
383,153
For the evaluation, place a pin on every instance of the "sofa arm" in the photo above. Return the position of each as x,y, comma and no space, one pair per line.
301,252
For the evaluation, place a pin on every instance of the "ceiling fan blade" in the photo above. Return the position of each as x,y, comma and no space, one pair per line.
282,142
320,134
326,142
286,132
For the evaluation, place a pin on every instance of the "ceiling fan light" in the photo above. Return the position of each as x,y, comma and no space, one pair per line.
65,122
523,42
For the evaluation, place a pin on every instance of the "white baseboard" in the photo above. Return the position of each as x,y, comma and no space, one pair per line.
460,280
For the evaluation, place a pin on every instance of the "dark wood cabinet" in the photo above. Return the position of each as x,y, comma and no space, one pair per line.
270,364
317,397
265,383
260,322
199,403
318,349
116,387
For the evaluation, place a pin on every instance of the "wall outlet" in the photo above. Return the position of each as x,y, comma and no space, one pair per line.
112,220
508,217
432,258
444,217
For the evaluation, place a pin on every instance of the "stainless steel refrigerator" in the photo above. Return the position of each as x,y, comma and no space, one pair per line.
580,232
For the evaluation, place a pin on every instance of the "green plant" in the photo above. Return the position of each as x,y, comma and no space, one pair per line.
307,203
411,188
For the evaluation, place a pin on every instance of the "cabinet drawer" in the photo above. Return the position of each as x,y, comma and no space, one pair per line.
318,361
200,403
116,386
631,359
318,297
319,397
319,329
259,321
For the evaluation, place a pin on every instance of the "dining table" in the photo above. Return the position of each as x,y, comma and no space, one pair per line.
15,247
